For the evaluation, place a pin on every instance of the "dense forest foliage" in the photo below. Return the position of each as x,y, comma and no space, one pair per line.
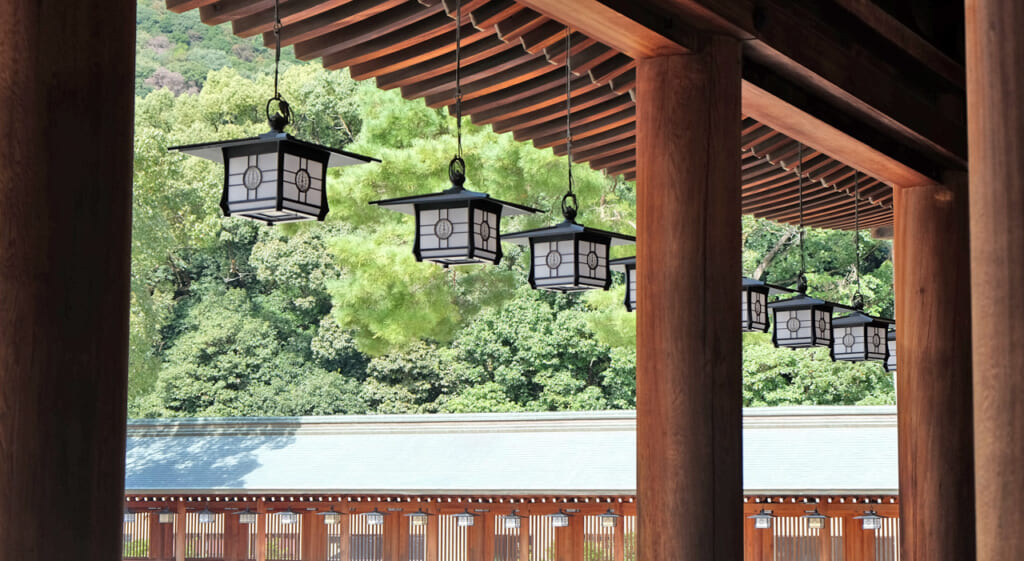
230,317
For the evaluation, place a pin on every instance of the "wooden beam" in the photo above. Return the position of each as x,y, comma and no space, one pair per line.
688,206
933,319
996,133
797,124
628,27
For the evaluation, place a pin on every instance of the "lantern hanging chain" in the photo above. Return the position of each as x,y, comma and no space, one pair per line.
458,76
802,279
569,209
278,121
858,298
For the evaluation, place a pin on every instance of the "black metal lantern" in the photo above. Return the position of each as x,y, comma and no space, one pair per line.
419,518
870,520
465,518
815,520
609,519
890,363
763,519
569,257
627,266
456,226
331,516
247,516
512,520
374,517
802,322
559,519
166,516
274,177
754,304
858,337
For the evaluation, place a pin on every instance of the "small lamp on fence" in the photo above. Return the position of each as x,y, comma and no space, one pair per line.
627,265
166,516
247,516
559,519
815,520
512,521
419,518
870,520
374,517
609,519
464,519
763,519
331,516
129,516
288,517
206,516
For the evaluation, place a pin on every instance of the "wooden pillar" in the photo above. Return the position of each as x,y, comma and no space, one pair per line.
524,536
688,332
620,540
261,530
858,543
391,535
758,543
314,537
487,535
433,534
236,538
345,538
66,85
995,124
180,532
161,539
933,330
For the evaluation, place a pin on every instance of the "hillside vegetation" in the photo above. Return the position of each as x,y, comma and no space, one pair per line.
230,317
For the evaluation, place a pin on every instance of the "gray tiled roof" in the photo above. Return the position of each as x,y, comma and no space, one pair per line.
821,450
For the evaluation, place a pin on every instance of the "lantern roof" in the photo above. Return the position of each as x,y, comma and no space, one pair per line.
214,151
773,290
859,318
454,194
803,301
621,264
566,228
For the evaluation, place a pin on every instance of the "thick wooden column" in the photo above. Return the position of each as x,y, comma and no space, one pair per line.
236,538
933,330
66,86
995,124
314,537
689,470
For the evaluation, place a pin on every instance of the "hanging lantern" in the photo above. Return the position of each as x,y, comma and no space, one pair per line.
815,520
890,363
247,516
274,177
802,322
464,519
374,518
512,521
870,520
763,519
129,517
609,519
165,516
456,226
419,518
331,516
754,303
859,337
569,257
288,517
206,516
627,266
559,519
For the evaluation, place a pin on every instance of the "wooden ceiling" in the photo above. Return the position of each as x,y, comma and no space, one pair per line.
513,78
